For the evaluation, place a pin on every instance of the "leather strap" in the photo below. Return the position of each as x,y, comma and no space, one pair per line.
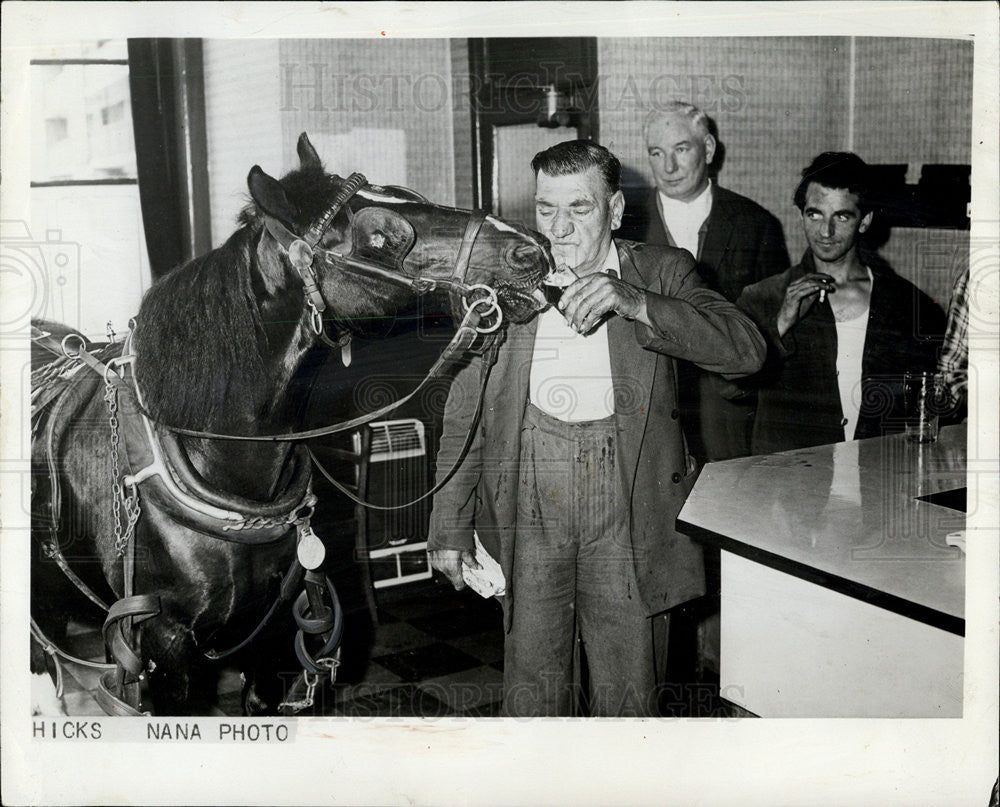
332,627
472,227
110,703
489,359
289,584
355,182
52,550
300,253
139,608
118,690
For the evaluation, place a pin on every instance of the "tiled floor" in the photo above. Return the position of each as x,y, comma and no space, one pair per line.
436,652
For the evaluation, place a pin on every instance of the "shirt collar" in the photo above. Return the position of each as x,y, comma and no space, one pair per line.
700,206
612,263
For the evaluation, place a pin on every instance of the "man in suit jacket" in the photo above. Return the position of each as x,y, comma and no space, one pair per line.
735,241
578,467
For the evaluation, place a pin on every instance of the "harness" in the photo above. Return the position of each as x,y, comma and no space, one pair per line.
168,477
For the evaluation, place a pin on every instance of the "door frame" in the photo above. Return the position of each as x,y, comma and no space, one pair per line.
496,102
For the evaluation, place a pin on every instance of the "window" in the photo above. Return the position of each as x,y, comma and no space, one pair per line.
83,244
83,103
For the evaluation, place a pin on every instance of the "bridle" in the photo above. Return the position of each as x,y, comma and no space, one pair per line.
303,252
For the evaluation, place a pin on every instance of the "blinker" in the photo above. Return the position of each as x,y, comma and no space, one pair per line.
300,254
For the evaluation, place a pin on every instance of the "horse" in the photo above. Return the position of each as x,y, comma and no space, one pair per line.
167,476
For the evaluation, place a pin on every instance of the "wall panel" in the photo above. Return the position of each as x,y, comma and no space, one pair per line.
913,101
382,107
914,106
242,123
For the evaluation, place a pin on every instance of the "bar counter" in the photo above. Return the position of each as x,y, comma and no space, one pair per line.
840,593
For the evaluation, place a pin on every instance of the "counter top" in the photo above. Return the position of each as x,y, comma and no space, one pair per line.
848,516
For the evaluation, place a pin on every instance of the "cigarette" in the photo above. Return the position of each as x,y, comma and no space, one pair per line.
822,295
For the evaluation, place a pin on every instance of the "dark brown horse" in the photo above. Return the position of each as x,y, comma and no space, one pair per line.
217,347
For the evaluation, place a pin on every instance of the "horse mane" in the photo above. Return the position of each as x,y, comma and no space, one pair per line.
200,340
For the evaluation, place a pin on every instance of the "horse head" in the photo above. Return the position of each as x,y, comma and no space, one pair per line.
370,246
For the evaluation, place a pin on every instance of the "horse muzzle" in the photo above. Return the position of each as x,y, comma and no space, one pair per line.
528,262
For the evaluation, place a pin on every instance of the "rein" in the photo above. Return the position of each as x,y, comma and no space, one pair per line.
462,341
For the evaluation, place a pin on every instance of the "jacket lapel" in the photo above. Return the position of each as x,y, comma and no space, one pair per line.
510,376
656,231
632,369
720,229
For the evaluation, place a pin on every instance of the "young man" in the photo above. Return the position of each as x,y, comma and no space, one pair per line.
842,327
578,467
734,241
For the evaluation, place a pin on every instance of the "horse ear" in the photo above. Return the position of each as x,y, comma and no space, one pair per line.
270,197
308,158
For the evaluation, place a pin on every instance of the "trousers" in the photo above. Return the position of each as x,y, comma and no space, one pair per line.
573,574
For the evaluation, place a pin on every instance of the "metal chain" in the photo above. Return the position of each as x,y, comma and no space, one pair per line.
132,511
111,399
264,522
118,497
312,680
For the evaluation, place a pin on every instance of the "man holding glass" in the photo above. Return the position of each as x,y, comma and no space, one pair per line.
578,466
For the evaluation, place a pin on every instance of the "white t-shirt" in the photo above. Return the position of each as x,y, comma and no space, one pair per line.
850,350
571,373
684,219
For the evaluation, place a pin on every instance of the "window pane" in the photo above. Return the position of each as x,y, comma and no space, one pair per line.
84,251
82,123
81,249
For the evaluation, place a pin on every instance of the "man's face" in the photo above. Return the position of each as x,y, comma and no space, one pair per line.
679,157
832,221
577,213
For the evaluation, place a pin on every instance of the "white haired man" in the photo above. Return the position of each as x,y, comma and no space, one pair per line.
734,241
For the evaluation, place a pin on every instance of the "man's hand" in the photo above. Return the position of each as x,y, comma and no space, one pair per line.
588,299
799,298
449,563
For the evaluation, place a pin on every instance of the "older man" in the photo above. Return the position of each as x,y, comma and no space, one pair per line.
735,242
578,467
842,327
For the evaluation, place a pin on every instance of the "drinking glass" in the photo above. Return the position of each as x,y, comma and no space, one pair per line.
923,402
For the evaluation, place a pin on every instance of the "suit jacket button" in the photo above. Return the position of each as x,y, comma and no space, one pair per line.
674,414
675,478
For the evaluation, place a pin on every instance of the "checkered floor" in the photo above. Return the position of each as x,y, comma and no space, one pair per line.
436,652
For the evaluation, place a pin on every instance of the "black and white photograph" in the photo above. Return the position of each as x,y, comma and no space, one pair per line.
516,403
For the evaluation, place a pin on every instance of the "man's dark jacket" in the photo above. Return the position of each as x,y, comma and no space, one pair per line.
740,243
798,399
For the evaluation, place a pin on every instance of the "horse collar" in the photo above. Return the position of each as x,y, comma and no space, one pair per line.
173,482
